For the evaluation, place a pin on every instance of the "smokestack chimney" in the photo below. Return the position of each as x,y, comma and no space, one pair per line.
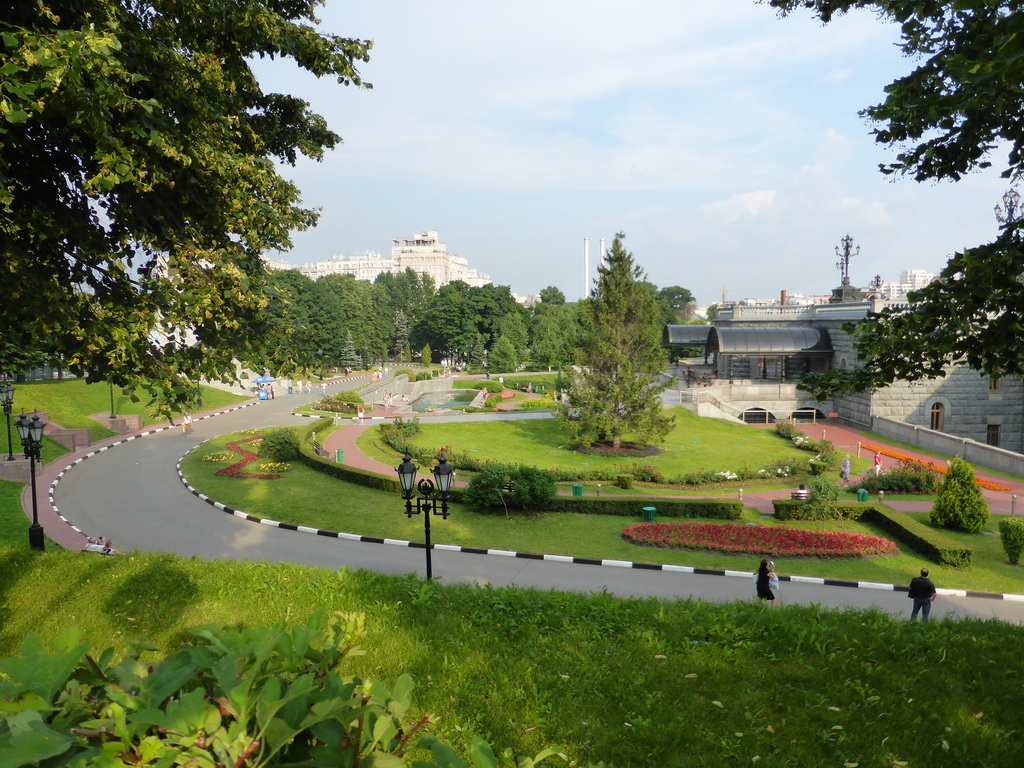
586,267
782,298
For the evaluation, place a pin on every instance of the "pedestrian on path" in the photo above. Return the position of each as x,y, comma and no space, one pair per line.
360,414
764,577
878,463
922,592
186,423
309,386
844,469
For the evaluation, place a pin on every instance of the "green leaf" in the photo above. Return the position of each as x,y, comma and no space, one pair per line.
30,740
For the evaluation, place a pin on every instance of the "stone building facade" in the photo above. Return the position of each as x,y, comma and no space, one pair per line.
964,403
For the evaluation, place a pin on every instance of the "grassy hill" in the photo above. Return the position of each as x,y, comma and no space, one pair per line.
629,682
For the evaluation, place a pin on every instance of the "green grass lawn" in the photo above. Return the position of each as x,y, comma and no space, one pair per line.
694,443
635,682
306,497
70,401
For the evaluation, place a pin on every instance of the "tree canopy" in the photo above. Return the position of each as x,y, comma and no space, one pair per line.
138,187
961,103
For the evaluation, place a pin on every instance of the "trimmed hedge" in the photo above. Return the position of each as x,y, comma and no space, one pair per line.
349,474
718,509
921,538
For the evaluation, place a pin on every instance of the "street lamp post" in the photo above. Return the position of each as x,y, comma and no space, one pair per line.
428,502
31,433
7,398
1011,210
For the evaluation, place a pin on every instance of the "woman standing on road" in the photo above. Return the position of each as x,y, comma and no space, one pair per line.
764,578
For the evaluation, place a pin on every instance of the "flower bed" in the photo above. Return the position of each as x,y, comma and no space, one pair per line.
235,470
777,541
941,470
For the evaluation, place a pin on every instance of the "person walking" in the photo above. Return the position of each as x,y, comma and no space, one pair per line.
764,578
878,463
360,414
844,469
186,423
922,592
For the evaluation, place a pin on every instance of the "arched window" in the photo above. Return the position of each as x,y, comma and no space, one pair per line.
937,416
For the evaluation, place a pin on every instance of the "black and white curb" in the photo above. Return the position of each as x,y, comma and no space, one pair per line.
76,462
566,558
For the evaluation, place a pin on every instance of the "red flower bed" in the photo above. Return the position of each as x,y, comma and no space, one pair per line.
235,470
776,541
941,470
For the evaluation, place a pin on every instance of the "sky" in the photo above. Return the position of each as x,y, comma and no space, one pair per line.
724,141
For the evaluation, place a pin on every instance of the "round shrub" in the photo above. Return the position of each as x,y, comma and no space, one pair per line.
280,444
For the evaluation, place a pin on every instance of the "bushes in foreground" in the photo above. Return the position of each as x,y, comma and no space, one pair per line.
263,696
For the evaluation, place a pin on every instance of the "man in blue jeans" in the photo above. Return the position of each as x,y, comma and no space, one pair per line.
922,592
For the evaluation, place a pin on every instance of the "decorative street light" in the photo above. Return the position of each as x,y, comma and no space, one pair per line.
844,255
7,398
427,503
31,433
1011,208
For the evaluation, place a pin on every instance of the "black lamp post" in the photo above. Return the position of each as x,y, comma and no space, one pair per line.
7,398
1011,210
31,433
843,256
427,503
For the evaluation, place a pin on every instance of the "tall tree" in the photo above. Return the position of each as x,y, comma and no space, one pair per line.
616,391
679,301
552,295
962,101
138,186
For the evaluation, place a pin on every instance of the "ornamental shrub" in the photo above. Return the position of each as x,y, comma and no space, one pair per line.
959,504
486,486
908,477
532,488
624,481
280,444
822,494
537,404
1011,532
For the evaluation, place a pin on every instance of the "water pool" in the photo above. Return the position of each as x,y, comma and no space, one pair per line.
439,401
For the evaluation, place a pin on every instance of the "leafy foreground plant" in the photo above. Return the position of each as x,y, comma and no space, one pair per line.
268,696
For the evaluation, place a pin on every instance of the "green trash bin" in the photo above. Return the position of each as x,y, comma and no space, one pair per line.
577,489
862,494
649,514
341,456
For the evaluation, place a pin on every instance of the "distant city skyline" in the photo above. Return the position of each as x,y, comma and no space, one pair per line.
724,141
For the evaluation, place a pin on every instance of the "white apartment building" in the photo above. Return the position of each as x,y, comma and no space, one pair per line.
423,253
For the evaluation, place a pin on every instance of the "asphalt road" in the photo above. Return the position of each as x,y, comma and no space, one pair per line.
132,494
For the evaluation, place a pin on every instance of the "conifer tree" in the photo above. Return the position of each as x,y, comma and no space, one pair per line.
959,504
349,355
616,391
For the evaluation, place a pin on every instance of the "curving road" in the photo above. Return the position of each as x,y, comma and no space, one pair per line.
132,494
